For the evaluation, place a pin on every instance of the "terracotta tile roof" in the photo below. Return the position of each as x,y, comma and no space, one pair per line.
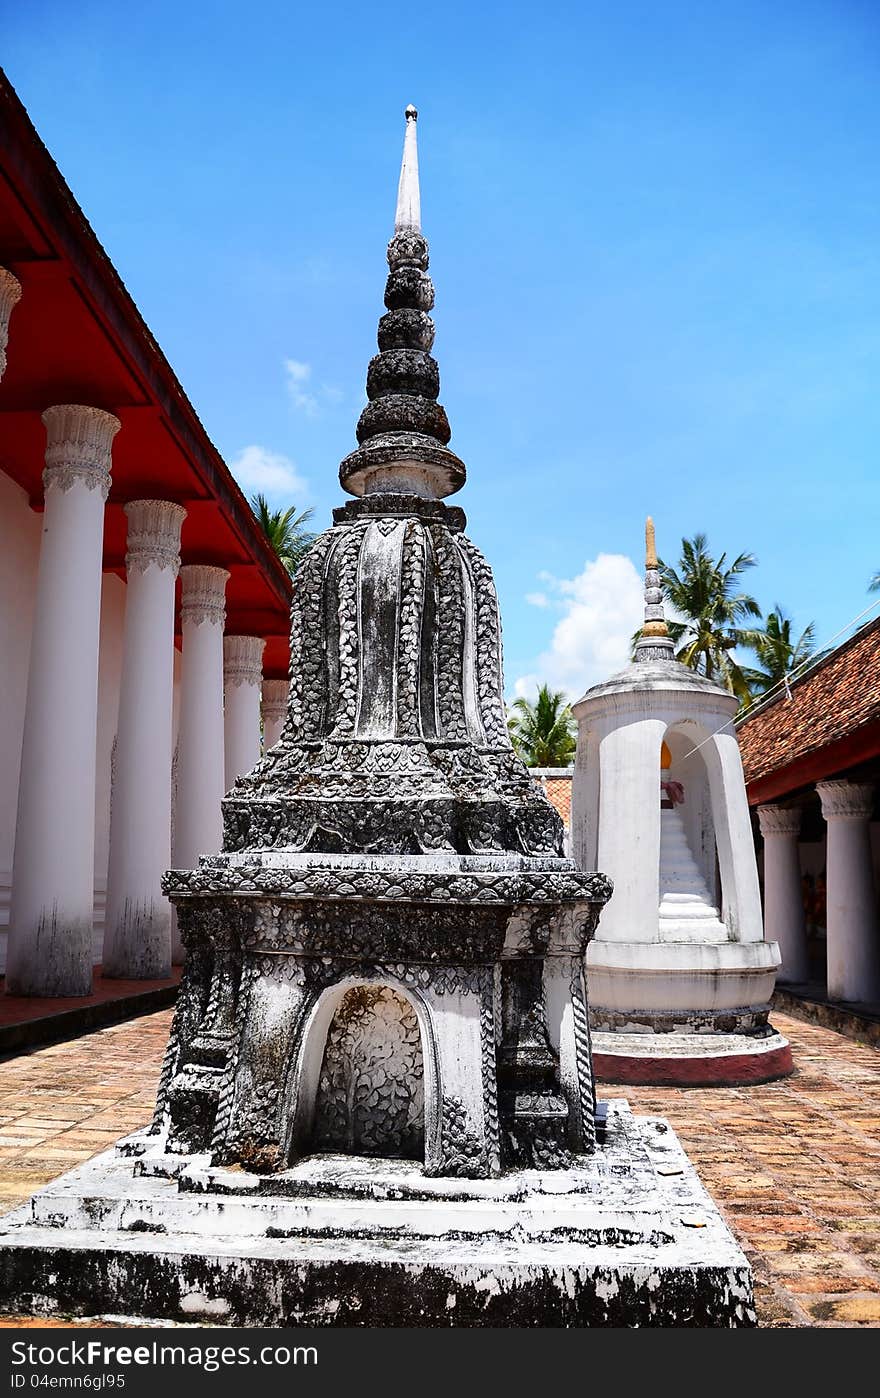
832,702
558,789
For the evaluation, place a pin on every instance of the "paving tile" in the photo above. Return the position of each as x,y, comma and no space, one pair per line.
794,1165
862,1308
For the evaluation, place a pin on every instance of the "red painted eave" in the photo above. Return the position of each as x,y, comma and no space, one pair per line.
76,336
822,764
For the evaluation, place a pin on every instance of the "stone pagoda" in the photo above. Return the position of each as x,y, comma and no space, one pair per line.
377,1105
387,955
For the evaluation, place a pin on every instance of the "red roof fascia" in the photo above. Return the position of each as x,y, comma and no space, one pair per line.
816,766
51,206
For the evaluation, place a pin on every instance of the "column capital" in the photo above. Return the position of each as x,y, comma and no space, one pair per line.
203,596
10,295
153,535
779,820
275,695
242,660
843,800
78,444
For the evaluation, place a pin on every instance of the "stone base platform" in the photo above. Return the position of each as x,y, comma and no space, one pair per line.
627,1237
690,1060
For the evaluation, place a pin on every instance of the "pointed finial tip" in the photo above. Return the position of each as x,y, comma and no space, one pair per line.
650,546
411,114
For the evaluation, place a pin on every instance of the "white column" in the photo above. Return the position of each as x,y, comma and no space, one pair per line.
242,675
10,295
783,897
629,830
137,937
852,934
734,840
201,786
275,694
52,904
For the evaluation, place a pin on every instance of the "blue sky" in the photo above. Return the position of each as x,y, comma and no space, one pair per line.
655,236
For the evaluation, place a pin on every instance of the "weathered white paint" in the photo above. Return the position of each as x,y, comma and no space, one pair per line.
242,680
783,897
853,937
113,595
666,976
20,530
632,1217
137,935
201,783
51,912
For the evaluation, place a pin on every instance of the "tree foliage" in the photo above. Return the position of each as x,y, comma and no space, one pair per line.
712,611
286,531
543,731
777,653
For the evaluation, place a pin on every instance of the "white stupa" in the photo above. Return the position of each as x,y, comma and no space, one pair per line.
680,976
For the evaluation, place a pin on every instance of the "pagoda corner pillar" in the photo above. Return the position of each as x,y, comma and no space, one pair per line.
784,920
242,677
275,695
137,937
52,904
853,940
10,295
201,784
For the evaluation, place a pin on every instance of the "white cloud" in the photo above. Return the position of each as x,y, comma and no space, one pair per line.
259,470
537,599
301,393
602,607
298,375
526,687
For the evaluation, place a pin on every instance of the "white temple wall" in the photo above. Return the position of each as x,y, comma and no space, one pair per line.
20,532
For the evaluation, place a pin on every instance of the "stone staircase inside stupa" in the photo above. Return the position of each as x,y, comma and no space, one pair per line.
687,911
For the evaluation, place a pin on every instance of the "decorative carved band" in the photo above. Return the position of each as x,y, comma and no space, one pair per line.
203,596
10,295
779,820
843,800
153,535
78,444
275,694
242,660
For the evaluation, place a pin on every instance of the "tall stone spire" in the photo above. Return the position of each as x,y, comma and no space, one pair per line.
393,832
655,642
409,208
403,431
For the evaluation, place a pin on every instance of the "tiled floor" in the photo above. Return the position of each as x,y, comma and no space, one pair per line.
795,1165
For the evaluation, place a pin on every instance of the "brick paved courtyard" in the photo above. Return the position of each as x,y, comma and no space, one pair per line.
795,1165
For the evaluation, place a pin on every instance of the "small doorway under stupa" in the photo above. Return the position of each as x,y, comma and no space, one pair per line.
371,1093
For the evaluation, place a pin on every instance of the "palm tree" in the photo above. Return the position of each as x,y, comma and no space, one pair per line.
778,655
705,592
285,530
874,584
543,732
